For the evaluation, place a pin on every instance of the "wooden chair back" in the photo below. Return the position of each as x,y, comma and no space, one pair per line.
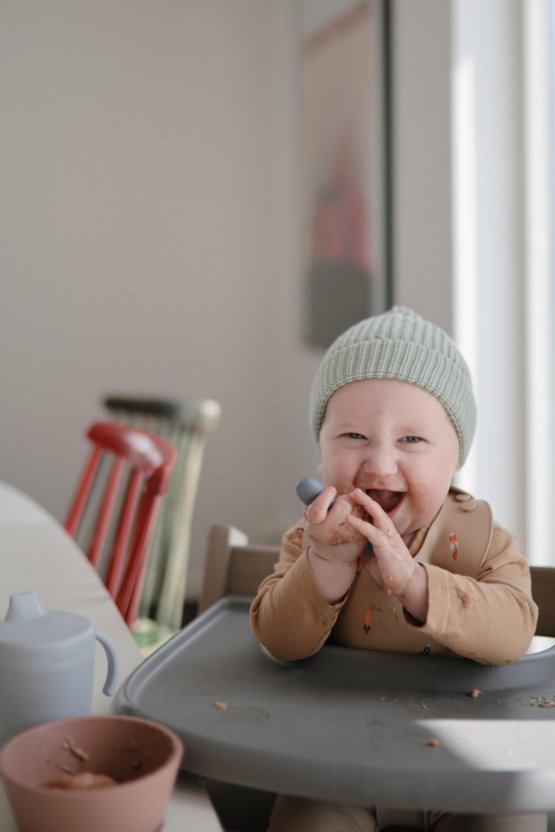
186,424
233,566
543,592
117,507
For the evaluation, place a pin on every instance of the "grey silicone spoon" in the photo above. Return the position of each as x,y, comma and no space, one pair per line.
308,489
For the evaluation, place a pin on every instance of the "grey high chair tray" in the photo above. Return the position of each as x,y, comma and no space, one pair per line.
404,731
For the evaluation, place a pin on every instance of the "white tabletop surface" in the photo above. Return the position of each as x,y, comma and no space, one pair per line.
37,555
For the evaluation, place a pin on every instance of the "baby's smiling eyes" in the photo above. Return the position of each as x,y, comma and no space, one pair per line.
408,440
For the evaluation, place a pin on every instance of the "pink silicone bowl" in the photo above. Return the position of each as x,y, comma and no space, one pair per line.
142,756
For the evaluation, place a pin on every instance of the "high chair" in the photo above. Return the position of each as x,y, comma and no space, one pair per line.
186,424
233,566
112,512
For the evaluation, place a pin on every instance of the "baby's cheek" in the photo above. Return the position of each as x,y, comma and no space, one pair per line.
425,503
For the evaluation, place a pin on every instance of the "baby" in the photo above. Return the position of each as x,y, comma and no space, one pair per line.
393,411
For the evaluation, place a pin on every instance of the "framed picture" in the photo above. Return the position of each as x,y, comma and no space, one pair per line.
346,189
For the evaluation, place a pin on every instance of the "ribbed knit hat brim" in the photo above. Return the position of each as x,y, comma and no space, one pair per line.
403,346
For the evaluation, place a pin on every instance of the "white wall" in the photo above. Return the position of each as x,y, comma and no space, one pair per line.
422,195
150,235
136,235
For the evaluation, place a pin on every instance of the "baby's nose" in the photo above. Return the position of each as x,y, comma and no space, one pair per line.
380,461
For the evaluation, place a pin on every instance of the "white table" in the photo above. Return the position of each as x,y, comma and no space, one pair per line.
37,555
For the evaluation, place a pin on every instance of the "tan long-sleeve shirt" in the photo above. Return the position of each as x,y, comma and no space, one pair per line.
480,603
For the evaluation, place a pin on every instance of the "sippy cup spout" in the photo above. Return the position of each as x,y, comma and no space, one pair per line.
24,606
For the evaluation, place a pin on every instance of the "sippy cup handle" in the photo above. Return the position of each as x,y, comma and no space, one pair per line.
112,673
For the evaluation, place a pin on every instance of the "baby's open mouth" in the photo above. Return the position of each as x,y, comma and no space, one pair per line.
388,500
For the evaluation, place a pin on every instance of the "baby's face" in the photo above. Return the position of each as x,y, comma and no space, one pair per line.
396,442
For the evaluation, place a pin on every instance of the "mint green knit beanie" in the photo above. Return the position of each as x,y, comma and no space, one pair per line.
403,346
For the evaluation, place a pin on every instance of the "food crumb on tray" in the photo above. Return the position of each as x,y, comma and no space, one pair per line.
543,701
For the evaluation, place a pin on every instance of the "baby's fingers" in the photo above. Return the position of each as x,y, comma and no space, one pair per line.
379,517
367,529
379,531
317,511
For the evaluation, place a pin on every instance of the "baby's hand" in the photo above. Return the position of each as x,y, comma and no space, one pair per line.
330,536
392,566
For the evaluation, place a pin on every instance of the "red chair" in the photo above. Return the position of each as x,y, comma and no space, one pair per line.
122,524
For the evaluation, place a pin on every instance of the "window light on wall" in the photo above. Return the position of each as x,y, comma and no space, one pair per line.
539,191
